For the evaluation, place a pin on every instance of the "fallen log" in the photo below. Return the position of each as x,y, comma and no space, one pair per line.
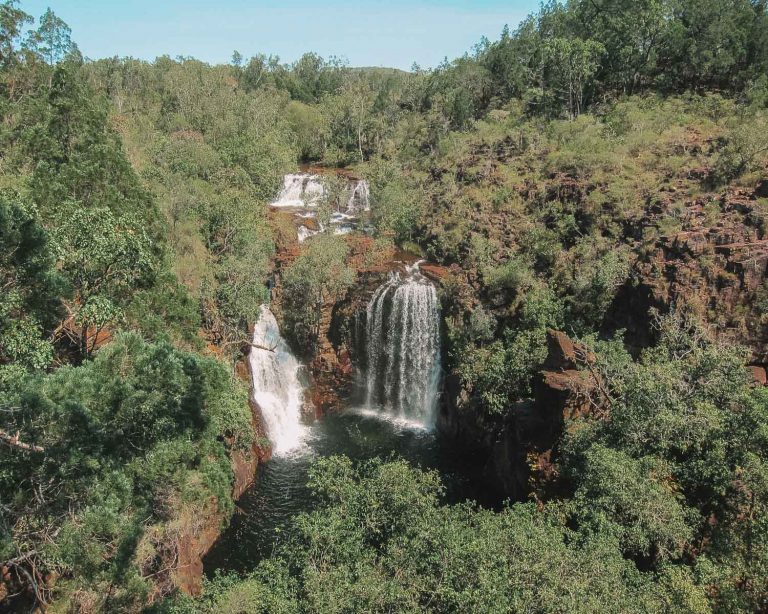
15,442
261,347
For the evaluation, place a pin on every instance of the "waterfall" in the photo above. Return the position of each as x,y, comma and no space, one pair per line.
276,387
358,198
299,190
304,233
403,348
303,192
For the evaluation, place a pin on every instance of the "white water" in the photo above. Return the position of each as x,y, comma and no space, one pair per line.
300,190
359,198
276,386
304,192
304,233
403,348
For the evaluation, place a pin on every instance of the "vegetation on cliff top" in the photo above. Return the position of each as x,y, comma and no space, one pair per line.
114,428
543,169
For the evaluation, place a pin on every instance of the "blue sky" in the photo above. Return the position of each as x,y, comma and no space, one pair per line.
367,33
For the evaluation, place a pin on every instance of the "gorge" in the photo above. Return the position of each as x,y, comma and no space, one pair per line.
303,336
391,412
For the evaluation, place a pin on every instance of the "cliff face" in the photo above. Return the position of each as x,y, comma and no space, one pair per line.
195,531
499,439
519,445
245,462
688,246
716,265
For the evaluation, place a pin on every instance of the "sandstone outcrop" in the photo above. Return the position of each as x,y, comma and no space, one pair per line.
717,266
520,445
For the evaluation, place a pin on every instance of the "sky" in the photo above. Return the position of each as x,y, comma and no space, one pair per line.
393,33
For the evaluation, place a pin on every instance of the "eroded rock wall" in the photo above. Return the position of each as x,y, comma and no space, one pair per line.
716,266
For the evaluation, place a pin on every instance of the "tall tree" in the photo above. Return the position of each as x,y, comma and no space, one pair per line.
52,40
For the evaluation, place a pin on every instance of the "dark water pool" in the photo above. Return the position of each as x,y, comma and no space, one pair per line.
280,490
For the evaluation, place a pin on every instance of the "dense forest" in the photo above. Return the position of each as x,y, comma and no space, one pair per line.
559,175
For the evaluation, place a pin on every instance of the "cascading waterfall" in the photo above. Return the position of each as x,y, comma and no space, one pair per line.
358,198
403,348
276,386
300,190
302,193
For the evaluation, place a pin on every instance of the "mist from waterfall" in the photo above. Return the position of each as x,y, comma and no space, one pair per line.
276,386
403,348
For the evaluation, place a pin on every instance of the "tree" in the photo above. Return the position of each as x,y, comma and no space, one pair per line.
381,542
317,278
744,148
52,40
630,498
630,33
115,446
350,117
105,258
334,198
572,63
30,301
310,127
675,469
76,154
12,20
711,44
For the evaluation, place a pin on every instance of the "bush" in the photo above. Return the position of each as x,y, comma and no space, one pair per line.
125,439
318,277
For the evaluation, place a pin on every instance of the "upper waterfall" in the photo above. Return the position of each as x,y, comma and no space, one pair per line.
403,348
303,193
359,194
276,386
299,190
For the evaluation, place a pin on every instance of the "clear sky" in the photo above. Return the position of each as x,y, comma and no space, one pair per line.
367,33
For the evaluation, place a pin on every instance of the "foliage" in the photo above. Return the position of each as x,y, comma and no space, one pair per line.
539,167
500,373
745,147
123,439
396,209
318,277
32,288
104,463
106,259
382,542
662,510
667,473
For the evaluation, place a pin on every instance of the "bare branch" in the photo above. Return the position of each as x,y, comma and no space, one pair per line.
262,347
14,442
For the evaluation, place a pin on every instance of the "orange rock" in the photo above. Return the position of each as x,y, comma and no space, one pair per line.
759,374
435,272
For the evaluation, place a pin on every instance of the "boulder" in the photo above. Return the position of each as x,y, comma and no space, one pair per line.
758,374
761,191
563,354
563,389
434,272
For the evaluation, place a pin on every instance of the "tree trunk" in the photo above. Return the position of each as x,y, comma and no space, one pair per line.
14,442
